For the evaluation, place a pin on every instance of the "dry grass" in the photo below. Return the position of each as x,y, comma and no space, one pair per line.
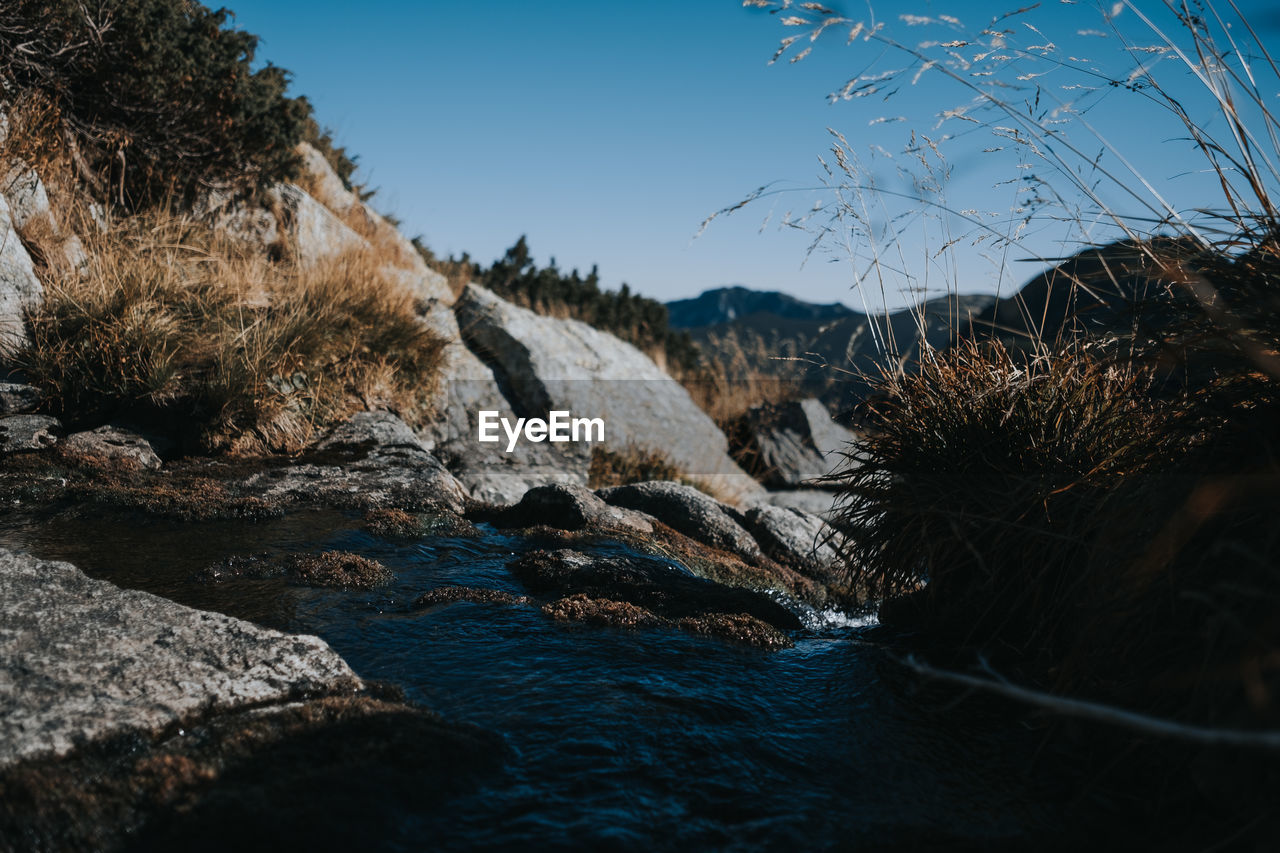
735,376
173,322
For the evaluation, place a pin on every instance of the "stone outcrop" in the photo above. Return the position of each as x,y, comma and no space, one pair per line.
545,363
113,444
18,398
22,433
32,215
790,445
374,458
314,232
20,288
817,502
572,508
684,508
469,386
81,659
792,537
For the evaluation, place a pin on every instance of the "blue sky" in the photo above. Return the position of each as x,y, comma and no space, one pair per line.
607,132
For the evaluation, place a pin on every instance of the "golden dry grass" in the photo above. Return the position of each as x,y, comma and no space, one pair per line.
171,320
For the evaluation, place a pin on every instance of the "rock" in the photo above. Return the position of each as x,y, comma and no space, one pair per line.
658,586
17,398
367,432
407,265
468,387
684,508
571,508
792,537
242,221
20,433
813,501
323,182
20,288
601,611
81,660
112,443
788,445
738,628
314,232
32,215
545,363
372,460
452,594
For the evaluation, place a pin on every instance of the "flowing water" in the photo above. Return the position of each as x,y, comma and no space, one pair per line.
626,738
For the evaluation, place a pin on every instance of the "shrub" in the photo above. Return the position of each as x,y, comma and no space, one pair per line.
156,97
172,322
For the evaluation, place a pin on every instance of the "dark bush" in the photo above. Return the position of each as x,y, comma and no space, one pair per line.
158,97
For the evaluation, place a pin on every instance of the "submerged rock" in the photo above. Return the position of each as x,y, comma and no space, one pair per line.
695,514
451,594
601,611
738,628
336,569
648,582
22,433
82,659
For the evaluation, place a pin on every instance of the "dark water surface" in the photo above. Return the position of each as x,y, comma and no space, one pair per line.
633,739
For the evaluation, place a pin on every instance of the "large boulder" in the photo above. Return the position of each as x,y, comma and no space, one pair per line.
684,508
790,445
20,288
490,473
81,660
546,364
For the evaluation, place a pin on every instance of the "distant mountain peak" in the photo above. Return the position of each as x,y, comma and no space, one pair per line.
725,304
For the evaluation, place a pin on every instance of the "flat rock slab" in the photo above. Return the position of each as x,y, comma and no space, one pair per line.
82,659
21,433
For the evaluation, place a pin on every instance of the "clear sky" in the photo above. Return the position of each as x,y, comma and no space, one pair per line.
608,131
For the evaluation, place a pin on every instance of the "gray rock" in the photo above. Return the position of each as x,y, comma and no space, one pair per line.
17,398
113,443
813,501
32,215
81,659
371,432
689,511
668,590
792,537
315,233
20,288
468,387
20,433
572,508
545,363
243,222
373,459
788,445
